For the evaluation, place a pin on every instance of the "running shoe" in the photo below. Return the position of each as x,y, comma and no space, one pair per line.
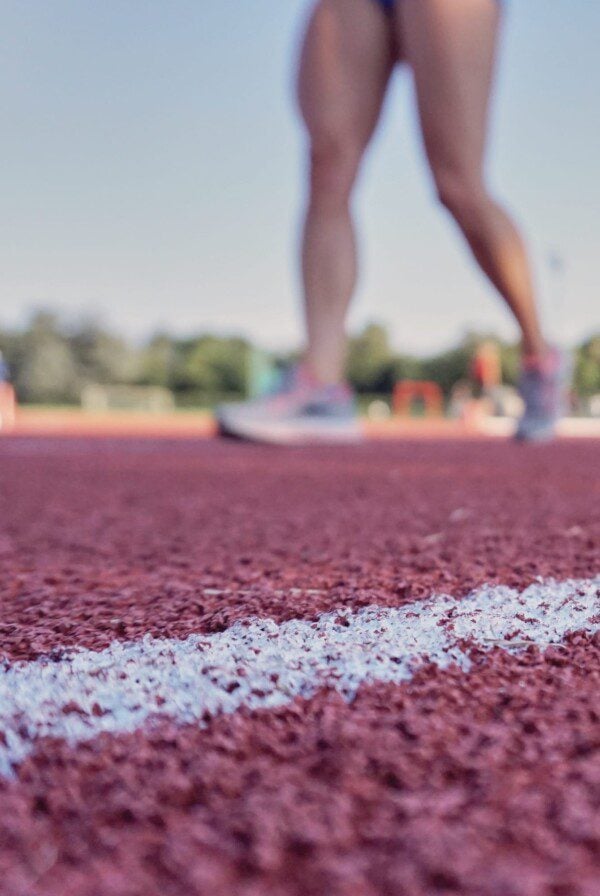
544,388
300,411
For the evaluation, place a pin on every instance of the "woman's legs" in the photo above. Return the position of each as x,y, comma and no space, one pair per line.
347,58
451,47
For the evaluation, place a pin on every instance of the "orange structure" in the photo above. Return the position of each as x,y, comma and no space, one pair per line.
406,392
7,406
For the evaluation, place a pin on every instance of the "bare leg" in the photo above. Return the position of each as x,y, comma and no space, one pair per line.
451,47
346,62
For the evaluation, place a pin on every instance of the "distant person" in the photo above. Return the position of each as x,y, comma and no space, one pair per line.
4,372
486,368
7,397
348,56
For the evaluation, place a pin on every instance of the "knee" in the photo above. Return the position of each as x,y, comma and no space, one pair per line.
334,165
464,197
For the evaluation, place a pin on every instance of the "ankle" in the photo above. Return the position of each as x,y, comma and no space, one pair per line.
544,361
534,352
318,375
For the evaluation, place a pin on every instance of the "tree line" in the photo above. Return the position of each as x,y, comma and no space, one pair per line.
51,360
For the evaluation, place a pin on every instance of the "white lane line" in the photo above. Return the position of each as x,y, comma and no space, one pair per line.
259,664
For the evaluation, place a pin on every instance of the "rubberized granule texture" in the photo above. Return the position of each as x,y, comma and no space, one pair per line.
485,784
117,539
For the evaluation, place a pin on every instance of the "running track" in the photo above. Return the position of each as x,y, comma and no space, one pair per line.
476,773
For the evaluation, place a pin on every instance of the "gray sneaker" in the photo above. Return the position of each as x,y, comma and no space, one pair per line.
300,411
544,389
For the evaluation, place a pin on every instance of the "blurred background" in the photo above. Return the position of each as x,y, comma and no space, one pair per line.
151,185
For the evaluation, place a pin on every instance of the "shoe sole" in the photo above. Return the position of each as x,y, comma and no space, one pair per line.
536,437
282,433
547,432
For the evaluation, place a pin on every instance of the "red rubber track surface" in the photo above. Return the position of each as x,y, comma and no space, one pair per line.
485,784
103,540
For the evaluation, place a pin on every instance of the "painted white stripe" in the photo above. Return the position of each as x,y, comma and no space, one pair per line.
260,664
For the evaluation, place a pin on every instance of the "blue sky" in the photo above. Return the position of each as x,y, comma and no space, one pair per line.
152,160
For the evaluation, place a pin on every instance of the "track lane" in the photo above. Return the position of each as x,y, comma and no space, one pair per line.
258,664
478,784
116,539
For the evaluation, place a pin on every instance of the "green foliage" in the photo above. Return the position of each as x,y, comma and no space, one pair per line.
43,365
369,359
203,366
449,367
510,363
157,361
51,362
210,364
374,368
587,367
100,356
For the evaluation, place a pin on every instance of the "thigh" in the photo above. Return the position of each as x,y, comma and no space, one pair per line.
346,62
451,48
